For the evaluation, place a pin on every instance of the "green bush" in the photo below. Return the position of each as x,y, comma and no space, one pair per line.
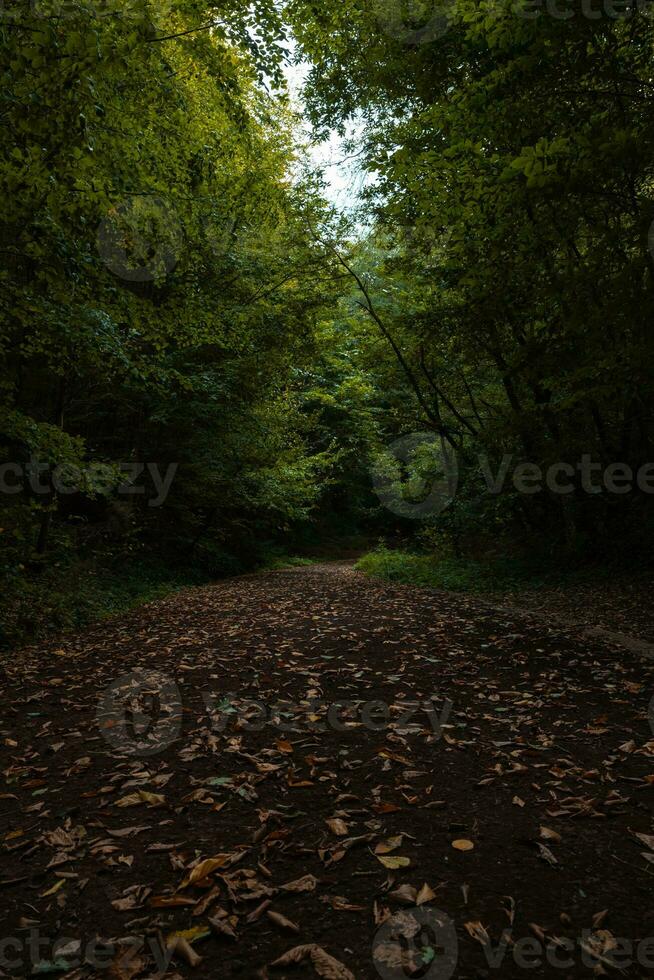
448,572
70,596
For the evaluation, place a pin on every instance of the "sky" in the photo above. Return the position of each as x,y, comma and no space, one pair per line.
343,178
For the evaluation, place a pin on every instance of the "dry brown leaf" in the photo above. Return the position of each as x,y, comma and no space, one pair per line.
183,950
340,904
128,963
170,901
127,831
399,961
546,854
337,826
386,808
205,902
548,834
125,904
324,964
478,932
258,912
222,928
425,895
141,796
282,921
306,883
405,894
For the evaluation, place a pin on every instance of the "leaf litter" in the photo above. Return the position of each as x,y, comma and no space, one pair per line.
526,805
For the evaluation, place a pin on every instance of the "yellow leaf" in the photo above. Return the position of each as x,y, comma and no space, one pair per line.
393,862
190,935
391,844
55,888
425,895
205,868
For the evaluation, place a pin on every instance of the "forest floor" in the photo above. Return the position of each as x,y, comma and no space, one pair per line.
205,788
618,606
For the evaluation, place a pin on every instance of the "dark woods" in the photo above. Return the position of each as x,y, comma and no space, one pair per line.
204,364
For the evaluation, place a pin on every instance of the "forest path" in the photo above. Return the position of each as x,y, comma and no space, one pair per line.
213,725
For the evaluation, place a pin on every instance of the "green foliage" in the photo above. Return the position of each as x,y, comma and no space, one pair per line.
436,571
509,267
175,291
159,290
69,595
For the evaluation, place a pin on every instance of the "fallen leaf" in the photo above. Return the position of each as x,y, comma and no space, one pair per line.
282,921
393,862
546,854
55,888
127,963
141,796
340,904
183,950
391,844
204,869
405,894
425,895
337,826
324,964
171,901
478,932
222,928
305,884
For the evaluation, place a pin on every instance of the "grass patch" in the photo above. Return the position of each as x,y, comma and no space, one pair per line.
287,561
453,574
